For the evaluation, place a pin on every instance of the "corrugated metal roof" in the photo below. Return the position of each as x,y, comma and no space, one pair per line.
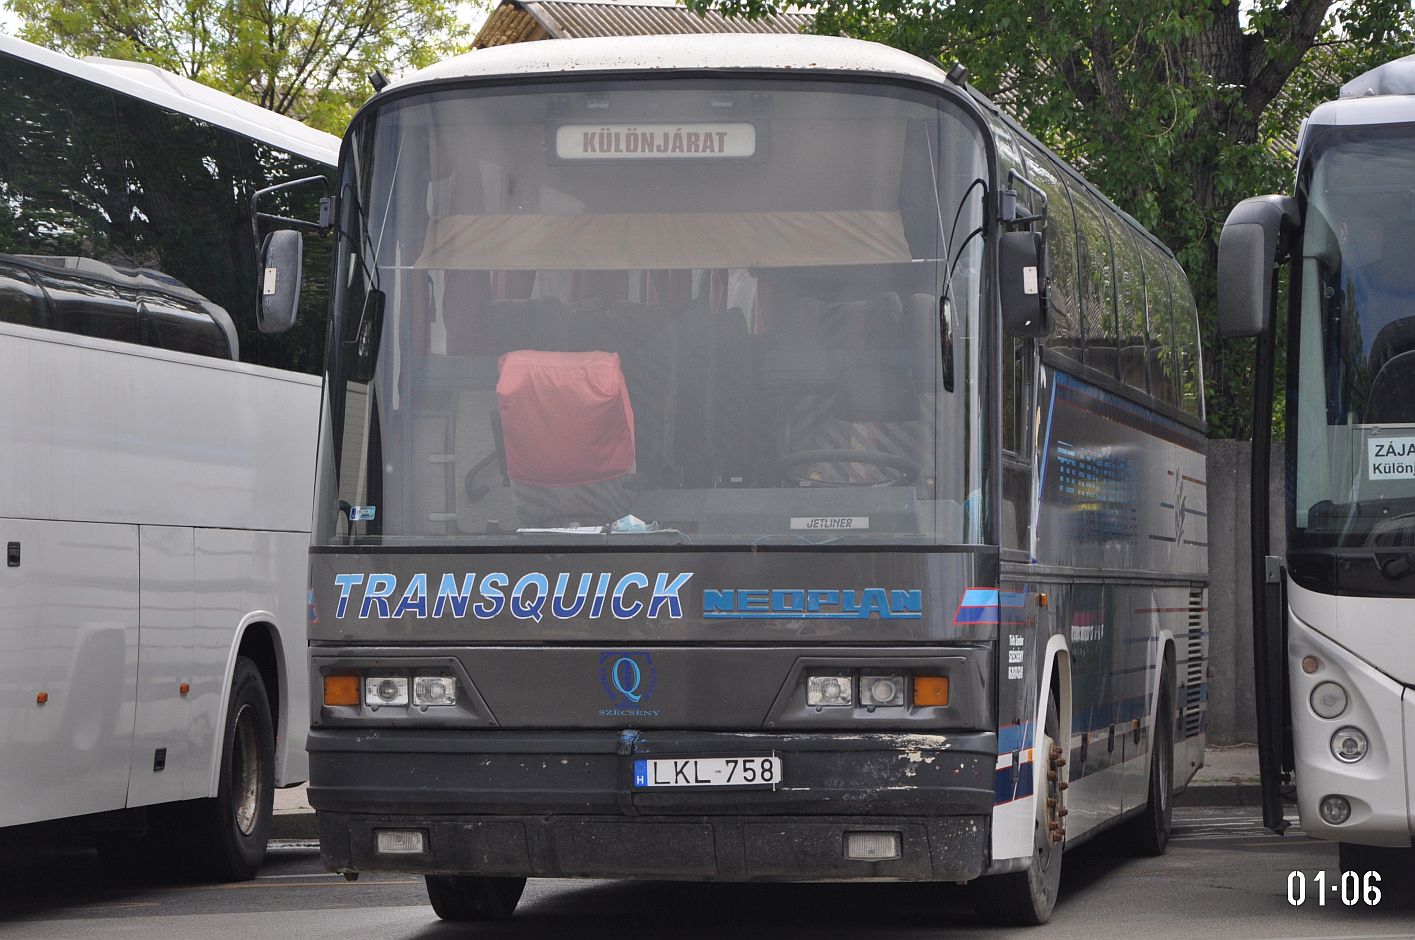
507,24
577,19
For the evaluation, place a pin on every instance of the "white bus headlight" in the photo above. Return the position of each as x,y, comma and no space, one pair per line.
1329,700
1349,745
385,690
829,690
1335,810
434,690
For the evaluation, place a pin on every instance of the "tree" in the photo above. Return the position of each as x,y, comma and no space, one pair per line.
1175,109
309,59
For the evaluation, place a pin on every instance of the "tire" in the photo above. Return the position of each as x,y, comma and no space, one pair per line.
1026,898
229,834
1148,833
1396,865
473,897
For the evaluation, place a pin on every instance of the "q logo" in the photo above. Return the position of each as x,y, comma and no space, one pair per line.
627,677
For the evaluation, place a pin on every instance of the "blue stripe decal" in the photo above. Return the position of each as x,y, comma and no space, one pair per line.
1006,787
979,597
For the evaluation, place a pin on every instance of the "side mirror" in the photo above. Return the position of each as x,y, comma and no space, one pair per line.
1252,238
281,259
1023,279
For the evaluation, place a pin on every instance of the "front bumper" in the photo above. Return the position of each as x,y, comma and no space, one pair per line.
562,805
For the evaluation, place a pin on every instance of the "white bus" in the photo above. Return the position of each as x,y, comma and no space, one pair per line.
891,553
156,461
1334,650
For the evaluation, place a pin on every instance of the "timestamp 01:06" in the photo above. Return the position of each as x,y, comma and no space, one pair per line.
1348,887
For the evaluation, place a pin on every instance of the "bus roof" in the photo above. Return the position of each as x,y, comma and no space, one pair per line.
167,90
671,53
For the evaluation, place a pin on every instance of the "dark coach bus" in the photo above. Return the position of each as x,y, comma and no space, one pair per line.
745,458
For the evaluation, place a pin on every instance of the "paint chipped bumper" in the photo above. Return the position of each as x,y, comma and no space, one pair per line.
564,804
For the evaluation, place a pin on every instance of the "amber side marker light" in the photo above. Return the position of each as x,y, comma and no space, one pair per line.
930,690
341,690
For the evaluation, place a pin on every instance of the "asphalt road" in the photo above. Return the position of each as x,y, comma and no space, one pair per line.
1223,876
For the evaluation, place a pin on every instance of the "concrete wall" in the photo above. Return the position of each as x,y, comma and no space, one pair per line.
1231,715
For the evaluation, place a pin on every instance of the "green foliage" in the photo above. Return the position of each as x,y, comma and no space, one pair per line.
1175,109
309,59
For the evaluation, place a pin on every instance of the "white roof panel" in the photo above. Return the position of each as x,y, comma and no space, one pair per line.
162,88
667,53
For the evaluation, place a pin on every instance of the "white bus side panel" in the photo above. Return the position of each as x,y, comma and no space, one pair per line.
69,629
164,663
96,431
246,579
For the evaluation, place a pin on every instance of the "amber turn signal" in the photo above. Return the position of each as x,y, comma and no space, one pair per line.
931,690
341,690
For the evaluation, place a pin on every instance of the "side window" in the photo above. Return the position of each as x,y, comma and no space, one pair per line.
186,227
64,206
1097,281
302,348
1160,330
1186,343
171,322
85,299
1130,305
1061,245
21,300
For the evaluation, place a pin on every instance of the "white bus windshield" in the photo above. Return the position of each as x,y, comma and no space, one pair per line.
702,311
1355,414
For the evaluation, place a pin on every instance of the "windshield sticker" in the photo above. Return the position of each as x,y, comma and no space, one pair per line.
530,597
813,604
654,141
830,522
1391,458
362,513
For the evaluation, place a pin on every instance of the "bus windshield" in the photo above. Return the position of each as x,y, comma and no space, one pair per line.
699,311
1355,373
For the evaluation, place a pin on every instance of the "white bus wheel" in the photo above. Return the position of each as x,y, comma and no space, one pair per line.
473,897
1026,898
231,831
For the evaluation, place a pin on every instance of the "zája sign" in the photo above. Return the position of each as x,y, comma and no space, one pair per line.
735,139
1390,458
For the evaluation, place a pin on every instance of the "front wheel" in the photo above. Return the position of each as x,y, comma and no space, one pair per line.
1026,898
473,897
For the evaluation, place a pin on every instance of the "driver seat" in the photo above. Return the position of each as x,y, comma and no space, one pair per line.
873,402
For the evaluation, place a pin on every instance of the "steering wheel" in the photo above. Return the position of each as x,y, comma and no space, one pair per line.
899,469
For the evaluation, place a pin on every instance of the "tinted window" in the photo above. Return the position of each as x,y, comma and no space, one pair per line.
20,298
1097,282
1190,386
1061,245
61,169
1160,328
1130,305
110,202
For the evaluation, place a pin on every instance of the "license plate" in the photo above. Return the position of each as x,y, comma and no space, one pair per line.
708,772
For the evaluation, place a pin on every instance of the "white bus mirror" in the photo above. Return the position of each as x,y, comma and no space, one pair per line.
1247,251
1022,276
280,270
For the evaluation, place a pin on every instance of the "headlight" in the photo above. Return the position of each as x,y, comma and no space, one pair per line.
385,690
881,690
434,690
829,690
1329,700
1349,745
